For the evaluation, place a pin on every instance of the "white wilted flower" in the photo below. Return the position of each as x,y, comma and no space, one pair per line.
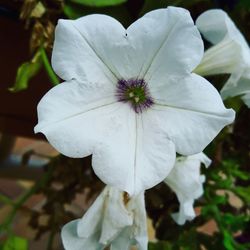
129,97
230,53
114,219
187,182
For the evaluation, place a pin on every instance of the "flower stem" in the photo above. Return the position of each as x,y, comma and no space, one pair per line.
6,200
54,79
19,203
51,240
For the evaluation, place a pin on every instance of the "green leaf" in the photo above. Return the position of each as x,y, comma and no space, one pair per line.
71,12
119,12
15,243
6,199
228,241
220,199
245,3
161,245
25,72
243,193
236,222
153,4
99,3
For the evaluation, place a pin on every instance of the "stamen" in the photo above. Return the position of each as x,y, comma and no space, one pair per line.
135,92
137,99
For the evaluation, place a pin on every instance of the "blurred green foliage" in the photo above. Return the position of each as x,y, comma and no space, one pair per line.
26,71
15,243
99,3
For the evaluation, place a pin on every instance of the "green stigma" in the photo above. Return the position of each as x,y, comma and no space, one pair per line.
136,95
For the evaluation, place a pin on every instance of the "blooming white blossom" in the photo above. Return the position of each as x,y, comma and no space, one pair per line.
113,219
129,97
230,53
186,181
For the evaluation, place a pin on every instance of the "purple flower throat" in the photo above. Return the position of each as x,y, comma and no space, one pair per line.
135,92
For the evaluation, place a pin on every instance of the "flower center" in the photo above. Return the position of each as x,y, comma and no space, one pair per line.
136,92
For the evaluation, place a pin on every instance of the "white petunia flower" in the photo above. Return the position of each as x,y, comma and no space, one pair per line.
186,182
129,97
113,220
230,53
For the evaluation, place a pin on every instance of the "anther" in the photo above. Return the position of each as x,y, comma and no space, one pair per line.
131,94
135,92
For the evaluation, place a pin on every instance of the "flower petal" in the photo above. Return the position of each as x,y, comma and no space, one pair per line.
108,133
222,58
161,34
91,222
71,240
65,113
123,241
246,99
107,217
75,54
100,55
137,205
137,233
116,215
185,213
230,54
186,181
155,153
140,160
242,87
191,112
215,25
110,220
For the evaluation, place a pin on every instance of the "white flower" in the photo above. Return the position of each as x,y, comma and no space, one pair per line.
129,98
230,53
113,219
186,182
